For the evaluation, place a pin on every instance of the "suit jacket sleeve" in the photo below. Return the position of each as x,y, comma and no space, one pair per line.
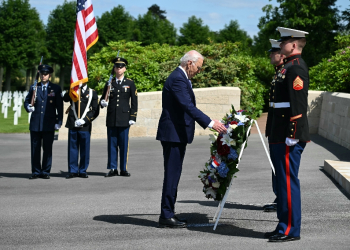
133,109
181,92
94,111
298,84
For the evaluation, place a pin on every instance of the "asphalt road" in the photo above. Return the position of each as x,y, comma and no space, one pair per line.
122,213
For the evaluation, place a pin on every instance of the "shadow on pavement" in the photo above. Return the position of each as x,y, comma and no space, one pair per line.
196,222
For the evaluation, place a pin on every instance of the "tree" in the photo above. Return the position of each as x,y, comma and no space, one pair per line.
194,32
156,11
233,33
318,17
21,36
60,36
114,26
151,28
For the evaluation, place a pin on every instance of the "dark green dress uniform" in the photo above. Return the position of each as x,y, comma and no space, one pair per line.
122,108
79,137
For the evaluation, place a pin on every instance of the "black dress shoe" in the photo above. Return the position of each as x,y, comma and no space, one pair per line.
124,173
33,177
71,175
45,176
282,238
112,172
180,219
171,223
269,234
83,175
270,208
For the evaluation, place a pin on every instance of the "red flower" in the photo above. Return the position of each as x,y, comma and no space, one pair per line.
223,150
233,122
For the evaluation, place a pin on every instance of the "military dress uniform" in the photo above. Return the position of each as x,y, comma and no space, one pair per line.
79,136
48,112
289,120
122,108
274,48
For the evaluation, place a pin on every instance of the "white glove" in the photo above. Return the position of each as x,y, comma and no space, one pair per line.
57,126
131,122
79,122
291,142
104,103
30,108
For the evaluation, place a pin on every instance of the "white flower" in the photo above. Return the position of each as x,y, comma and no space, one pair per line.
213,138
242,118
210,192
226,139
216,184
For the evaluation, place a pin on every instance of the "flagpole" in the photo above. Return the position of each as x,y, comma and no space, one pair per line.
79,102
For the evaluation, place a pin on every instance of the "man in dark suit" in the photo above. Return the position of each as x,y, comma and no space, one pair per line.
176,129
120,116
80,130
44,121
276,59
289,133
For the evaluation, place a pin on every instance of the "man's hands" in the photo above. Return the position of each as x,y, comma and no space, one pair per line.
218,126
57,126
30,108
291,142
79,122
104,103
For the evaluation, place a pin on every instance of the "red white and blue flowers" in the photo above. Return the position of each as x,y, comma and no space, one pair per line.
225,150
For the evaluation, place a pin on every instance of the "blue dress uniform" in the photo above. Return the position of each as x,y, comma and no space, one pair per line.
79,137
175,130
122,108
289,120
48,112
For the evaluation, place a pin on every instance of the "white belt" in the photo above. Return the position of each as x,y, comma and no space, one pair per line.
278,105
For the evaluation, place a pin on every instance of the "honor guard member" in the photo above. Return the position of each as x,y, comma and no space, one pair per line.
276,59
121,113
79,133
47,115
289,133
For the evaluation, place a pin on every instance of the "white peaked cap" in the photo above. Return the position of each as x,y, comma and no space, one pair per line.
287,33
275,43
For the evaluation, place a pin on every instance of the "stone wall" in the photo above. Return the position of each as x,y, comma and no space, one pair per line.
335,118
215,102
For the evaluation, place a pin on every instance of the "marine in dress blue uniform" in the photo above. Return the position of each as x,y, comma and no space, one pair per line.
47,115
121,114
289,133
176,129
79,133
276,59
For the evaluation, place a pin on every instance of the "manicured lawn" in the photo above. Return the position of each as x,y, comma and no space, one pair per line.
6,125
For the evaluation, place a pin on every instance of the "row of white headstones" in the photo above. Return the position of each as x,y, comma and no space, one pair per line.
17,98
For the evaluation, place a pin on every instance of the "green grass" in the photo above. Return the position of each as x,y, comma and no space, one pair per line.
6,125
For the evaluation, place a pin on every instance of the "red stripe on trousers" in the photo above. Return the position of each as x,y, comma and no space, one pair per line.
289,192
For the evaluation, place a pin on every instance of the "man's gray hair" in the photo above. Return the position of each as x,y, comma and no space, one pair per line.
192,55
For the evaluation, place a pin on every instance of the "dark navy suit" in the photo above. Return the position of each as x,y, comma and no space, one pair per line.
175,130
42,125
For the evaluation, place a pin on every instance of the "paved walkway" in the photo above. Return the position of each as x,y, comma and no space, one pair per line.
122,213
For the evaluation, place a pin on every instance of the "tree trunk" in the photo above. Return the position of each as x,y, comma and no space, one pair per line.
28,79
8,79
53,75
62,71
1,74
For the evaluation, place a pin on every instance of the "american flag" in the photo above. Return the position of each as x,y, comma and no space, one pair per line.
85,36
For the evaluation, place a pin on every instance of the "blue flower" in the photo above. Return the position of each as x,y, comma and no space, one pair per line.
222,170
232,155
